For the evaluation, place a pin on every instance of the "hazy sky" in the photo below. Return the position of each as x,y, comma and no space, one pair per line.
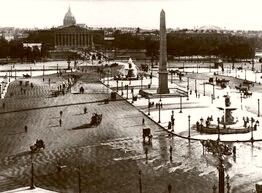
229,14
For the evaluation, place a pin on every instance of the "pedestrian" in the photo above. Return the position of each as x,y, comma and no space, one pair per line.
170,150
169,125
60,122
61,113
25,129
3,105
143,121
85,110
49,81
234,150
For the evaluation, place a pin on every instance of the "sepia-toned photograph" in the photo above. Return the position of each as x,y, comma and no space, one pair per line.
130,96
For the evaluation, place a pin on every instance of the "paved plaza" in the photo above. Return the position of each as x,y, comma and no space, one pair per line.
108,157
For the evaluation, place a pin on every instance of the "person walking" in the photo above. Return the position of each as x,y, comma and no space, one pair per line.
60,122
25,129
85,110
61,113
143,121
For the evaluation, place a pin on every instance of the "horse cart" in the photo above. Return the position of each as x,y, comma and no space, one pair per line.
147,136
96,119
37,146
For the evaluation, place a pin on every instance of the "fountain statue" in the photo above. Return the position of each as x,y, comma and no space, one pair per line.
227,124
227,118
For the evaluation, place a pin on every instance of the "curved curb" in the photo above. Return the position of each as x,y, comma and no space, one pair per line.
184,137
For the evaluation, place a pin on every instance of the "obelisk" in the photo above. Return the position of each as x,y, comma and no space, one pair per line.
162,71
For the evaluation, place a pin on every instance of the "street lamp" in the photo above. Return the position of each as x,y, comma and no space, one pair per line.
141,82
79,179
213,91
116,85
180,104
188,126
187,84
196,87
132,92
151,76
252,121
122,89
108,78
258,108
32,185
140,181
204,84
126,91
149,105
218,129
159,106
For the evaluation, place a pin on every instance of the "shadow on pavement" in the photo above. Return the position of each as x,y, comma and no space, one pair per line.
85,126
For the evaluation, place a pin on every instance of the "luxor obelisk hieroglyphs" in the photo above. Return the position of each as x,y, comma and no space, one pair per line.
163,74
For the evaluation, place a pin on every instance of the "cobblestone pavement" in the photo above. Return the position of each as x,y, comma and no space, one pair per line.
109,155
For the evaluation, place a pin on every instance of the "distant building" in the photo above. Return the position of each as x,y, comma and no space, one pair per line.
72,35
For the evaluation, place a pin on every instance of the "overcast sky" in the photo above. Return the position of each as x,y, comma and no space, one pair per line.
229,14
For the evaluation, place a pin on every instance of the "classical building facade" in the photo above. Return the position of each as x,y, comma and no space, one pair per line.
75,36
72,35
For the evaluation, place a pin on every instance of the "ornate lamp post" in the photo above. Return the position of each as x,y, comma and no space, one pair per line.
221,175
227,184
32,185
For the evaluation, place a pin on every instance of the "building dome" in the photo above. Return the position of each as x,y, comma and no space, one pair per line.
69,19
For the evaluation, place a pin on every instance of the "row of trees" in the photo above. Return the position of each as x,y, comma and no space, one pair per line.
184,44
178,44
15,50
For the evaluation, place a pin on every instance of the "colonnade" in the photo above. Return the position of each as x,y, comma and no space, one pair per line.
78,39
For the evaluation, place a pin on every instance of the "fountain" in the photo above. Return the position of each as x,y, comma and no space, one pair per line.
227,124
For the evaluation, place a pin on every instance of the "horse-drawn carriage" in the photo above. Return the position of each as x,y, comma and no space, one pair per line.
96,119
37,146
26,76
216,147
147,136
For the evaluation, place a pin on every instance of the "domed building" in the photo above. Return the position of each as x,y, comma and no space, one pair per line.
69,19
72,35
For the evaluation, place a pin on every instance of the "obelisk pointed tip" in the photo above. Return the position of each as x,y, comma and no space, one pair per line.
162,11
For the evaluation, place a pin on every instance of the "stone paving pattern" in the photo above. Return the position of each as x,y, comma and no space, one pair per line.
109,155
